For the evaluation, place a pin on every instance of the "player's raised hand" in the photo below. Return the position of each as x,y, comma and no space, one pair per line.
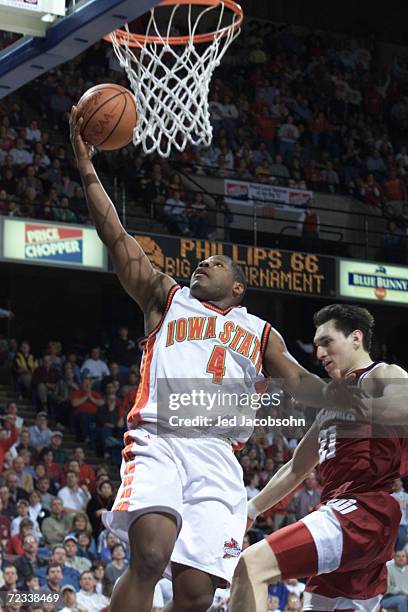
83,151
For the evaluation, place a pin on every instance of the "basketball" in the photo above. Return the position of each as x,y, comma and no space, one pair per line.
109,113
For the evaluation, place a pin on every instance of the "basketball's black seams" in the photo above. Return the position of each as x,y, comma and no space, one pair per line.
117,123
119,93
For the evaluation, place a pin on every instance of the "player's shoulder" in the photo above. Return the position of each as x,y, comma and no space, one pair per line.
388,370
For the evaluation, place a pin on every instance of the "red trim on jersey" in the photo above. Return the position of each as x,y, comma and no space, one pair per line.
219,310
143,390
362,371
295,551
264,343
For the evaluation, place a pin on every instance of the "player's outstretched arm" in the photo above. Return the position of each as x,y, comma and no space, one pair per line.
290,475
304,386
142,282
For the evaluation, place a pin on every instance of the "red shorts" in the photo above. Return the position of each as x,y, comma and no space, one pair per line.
344,547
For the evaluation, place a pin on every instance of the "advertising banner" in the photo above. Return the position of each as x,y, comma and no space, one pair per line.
282,198
265,268
52,244
373,281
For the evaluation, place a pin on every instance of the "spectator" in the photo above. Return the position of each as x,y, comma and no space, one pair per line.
273,604
23,443
53,584
24,479
252,487
85,403
79,563
10,579
86,474
65,386
40,434
30,561
69,574
43,487
101,501
279,169
24,366
15,543
45,379
52,469
107,418
36,511
117,566
98,569
12,410
69,599
87,596
74,498
94,366
394,189
9,506
175,211
307,498
124,352
20,155
22,513
293,604
81,524
57,525
87,547
397,585
4,527
402,498
59,455
197,215
16,492
106,542
8,436
309,225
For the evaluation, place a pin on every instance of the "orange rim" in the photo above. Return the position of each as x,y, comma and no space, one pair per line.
139,40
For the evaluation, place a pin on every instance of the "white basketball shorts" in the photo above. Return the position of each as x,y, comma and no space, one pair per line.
199,481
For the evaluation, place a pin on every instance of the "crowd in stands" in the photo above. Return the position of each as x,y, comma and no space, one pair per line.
52,540
322,112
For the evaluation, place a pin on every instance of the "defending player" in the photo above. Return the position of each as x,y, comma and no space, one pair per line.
345,544
183,500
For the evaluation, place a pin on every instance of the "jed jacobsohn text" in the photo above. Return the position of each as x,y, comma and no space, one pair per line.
235,421
221,399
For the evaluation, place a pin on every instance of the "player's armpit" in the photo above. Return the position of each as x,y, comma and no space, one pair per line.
304,386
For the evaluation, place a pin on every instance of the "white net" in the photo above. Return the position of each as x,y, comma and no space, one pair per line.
171,82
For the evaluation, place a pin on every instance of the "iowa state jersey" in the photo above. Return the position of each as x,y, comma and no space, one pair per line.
356,457
196,340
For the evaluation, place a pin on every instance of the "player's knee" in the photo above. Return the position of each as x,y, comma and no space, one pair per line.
149,563
248,567
194,602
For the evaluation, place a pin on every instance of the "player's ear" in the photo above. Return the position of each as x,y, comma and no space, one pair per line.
238,290
357,337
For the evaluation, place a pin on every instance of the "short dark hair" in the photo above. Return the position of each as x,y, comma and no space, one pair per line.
346,319
53,565
238,273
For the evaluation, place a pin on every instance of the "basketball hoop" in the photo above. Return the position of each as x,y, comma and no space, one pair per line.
170,74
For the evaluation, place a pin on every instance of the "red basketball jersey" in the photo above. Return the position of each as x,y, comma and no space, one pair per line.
356,457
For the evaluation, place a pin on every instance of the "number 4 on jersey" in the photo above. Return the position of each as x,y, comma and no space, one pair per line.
216,364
